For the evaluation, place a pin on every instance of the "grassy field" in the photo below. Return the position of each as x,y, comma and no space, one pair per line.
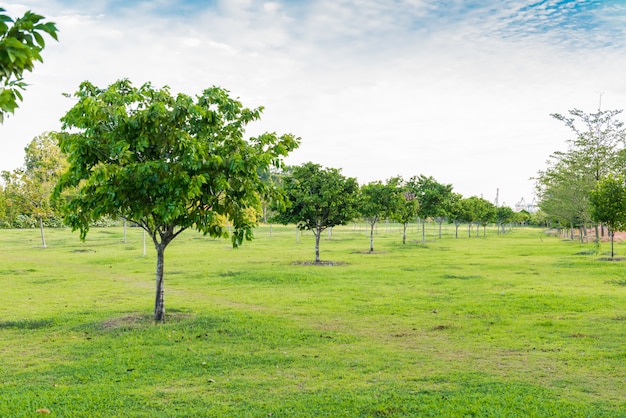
521,324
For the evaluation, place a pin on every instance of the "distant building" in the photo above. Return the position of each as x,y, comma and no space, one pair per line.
529,207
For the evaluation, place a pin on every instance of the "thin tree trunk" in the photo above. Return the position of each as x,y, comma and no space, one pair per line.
317,234
440,222
372,236
456,232
159,302
43,238
404,225
612,234
423,231
469,230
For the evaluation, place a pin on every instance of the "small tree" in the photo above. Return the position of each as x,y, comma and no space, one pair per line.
165,163
30,188
433,199
21,43
379,201
318,198
407,208
503,216
608,205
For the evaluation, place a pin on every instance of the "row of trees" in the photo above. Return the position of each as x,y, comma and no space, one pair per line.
319,198
581,188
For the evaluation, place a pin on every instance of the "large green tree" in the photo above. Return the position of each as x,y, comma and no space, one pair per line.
379,201
608,201
317,199
21,43
165,162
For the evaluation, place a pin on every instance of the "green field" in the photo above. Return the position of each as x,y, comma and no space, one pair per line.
521,324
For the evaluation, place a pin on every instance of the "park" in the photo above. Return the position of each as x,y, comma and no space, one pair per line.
515,324
293,290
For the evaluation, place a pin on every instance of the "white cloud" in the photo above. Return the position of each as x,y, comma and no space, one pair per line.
377,88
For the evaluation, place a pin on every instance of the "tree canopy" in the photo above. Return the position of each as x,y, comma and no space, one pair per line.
379,201
29,188
317,199
167,163
608,200
21,43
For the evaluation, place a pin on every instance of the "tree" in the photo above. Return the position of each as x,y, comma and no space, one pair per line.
460,211
21,43
30,188
503,216
407,208
433,199
318,198
379,201
596,151
167,163
608,201
484,213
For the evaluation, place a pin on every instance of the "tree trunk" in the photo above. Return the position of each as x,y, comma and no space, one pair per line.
404,225
318,234
372,236
423,230
485,230
611,235
159,303
440,222
469,230
43,238
456,232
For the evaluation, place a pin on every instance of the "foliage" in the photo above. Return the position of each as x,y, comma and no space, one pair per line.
21,43
433,198
596,151
29,189
503,216
608,204
167,163
481,211
407,208
317,199
459,211
380,201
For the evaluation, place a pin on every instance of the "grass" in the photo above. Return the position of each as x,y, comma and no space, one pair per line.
520,324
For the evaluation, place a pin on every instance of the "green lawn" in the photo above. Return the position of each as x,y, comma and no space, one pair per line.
521,324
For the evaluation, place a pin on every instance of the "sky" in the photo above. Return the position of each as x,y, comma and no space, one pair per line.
460,90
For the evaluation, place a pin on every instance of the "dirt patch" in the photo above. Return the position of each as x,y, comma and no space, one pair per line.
140,320
318,263
441,327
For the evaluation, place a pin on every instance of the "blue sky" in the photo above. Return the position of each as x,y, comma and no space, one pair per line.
458,90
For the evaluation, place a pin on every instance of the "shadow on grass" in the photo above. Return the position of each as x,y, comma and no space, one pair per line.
26,324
